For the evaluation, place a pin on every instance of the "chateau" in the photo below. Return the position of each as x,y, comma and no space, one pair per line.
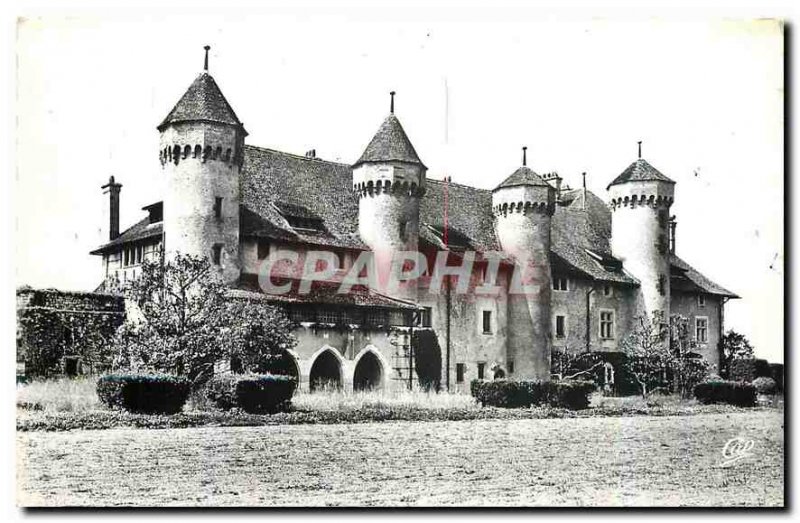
599,263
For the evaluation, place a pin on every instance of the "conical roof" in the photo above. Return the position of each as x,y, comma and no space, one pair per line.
523,176
640,171
203,101
390,143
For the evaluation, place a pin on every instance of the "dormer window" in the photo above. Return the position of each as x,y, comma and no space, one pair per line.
300,217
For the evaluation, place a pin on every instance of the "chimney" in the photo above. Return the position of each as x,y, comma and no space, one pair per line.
311,153
558,187
672,226
113,188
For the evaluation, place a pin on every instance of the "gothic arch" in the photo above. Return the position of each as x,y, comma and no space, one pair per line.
326,369
370,369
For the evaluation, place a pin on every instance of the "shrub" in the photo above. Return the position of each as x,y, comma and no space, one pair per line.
253,393
145,393
765,385
731,392
515,394
742,370
573,395
776,373
761,368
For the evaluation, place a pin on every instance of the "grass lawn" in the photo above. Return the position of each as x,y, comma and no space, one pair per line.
608,461
65,404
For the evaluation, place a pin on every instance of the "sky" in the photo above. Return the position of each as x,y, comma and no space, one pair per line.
705,97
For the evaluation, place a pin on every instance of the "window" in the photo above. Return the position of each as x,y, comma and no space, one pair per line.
217,254
487,322
510,366
608,290
561,326
701,300
606,325
329,316
701,329
218,207
425,317
481,370
560,284
263,249
460,371
403,230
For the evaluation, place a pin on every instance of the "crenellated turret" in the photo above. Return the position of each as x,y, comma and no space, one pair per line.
640,200
202,149
389,180
523,205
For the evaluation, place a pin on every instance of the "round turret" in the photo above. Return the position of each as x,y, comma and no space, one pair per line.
523,205
640,200
201,152
389,180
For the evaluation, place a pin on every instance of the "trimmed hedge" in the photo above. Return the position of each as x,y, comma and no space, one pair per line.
573,395
742,370
776,373
765,385
253,393
144,393
732,392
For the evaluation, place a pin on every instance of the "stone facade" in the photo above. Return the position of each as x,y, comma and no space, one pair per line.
596,267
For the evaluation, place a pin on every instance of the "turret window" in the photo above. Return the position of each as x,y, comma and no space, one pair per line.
216,254
487,322
218,208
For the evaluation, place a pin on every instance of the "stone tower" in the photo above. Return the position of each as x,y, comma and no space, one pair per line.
640,200
389,180
523,205
201,153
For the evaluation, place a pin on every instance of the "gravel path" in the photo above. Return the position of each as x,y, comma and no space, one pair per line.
565,462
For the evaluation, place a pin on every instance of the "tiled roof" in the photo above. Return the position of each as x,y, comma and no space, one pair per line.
523,176
139,231
203,101
580,232
470,213
640,171
307,186
390,143
275,184
685,278
322,293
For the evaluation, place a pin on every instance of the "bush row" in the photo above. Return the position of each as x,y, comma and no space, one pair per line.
732,392
572,395
253,393
144,393
748,369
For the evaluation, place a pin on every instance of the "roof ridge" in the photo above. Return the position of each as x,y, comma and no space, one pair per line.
443,182
298,156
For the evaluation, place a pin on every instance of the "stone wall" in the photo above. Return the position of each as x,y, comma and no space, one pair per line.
688,305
